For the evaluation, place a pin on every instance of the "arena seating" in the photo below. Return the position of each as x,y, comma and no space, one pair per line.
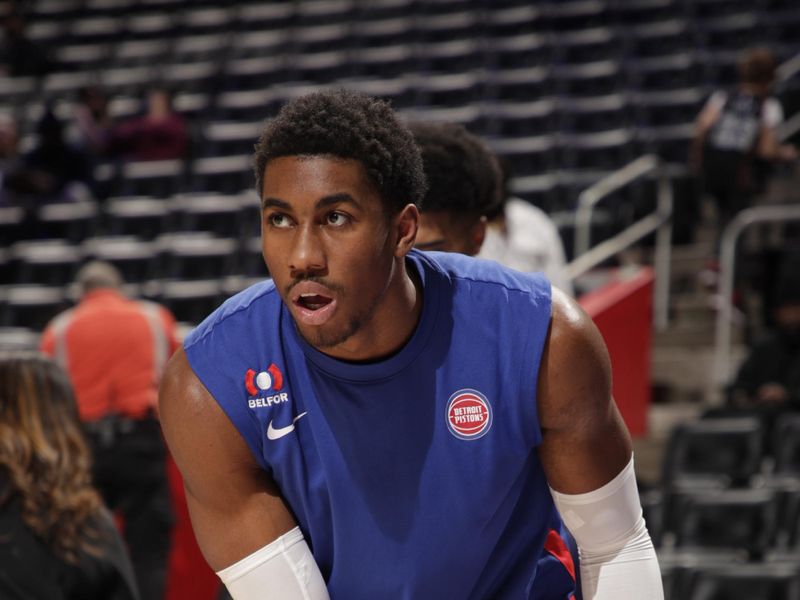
566,91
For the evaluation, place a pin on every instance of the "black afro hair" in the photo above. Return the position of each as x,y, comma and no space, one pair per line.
348,125
463,175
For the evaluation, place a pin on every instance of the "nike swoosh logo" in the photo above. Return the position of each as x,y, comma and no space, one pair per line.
276,434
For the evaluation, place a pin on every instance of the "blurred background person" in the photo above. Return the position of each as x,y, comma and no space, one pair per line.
114,350
735,130
57,540
159,134
463,186
20,56
10,164
769,378
467,207
92,124
55,165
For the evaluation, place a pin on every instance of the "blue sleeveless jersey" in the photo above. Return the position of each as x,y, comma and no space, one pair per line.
416,476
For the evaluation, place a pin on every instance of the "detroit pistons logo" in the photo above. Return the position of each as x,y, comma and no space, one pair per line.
269,380
469,414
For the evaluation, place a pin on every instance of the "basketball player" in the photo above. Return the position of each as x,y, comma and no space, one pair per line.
378,422
469,207
464,185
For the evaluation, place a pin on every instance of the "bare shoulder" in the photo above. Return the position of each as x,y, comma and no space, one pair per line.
575,375
235,506
584,440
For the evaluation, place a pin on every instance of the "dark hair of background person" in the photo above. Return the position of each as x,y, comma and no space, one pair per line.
44,456
464,178
757,67
348,125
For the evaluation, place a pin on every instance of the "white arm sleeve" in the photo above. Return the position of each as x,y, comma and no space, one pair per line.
283,569
617,558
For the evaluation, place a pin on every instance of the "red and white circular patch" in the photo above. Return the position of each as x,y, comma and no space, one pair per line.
469,415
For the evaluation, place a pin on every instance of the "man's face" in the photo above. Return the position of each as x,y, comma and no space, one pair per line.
327,244
440,230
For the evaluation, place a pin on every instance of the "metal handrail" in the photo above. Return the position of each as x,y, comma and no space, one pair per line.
788,128
659,221
788,69
743,220
783,73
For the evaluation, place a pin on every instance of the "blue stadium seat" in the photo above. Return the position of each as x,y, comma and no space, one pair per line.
522,50
324,12
144,216
198,257
757,581
224,174
519,85
138,53
730,447
510,119
190,301
588,79
787,444
31,306
587,45
93,30
137,259
216,213
159,178
376,33
659,38
516,20
48,262
74,221
742,518
205,20
384,61
594,114
454,56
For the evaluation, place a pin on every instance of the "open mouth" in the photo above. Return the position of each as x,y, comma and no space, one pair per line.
313,301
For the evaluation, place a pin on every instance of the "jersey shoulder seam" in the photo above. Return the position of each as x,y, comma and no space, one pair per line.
220,320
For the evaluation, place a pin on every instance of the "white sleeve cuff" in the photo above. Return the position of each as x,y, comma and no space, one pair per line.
284,569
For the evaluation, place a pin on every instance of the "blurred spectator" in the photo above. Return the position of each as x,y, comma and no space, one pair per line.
523,237
19,56
54,163
57,540
10,165
468,208
114,350
463,186
735,129
160,134
92,122
770,375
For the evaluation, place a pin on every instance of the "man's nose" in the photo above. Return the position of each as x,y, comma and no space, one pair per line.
306,254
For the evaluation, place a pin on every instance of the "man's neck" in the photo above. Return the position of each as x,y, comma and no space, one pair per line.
392,323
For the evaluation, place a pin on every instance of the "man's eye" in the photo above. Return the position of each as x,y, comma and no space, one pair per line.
278,220
337,219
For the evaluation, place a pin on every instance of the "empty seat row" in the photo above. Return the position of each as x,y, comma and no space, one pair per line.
26,309
727,575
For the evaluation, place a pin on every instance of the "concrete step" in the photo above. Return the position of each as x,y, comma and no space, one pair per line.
686,373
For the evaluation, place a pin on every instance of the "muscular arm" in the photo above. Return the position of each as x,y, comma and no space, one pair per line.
584,440
234,506
586,455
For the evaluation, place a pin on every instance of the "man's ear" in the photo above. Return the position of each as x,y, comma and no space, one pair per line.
406,225
477,234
